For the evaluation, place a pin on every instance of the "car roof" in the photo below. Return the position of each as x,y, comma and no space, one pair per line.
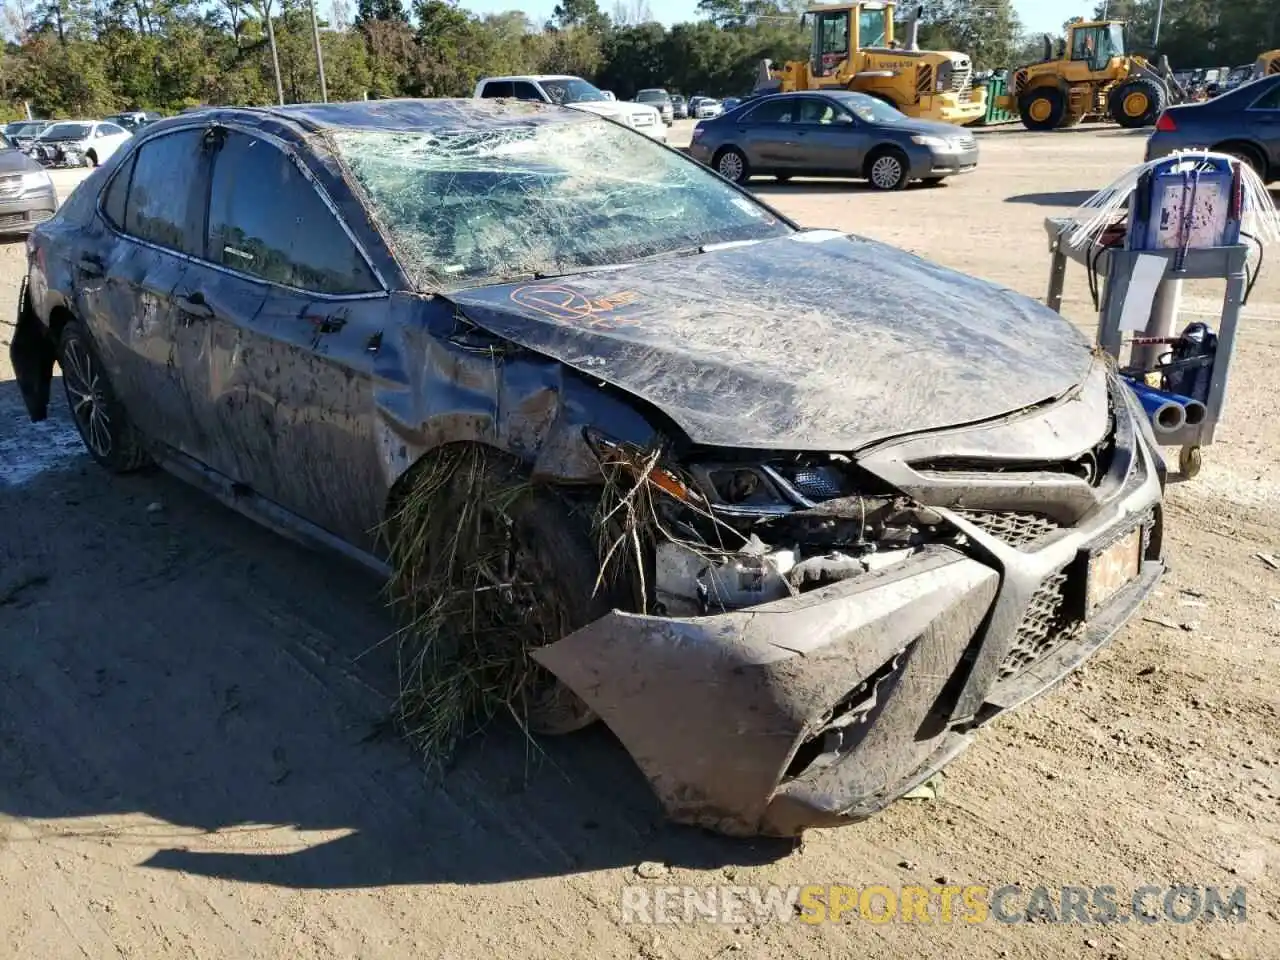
534,76
408,115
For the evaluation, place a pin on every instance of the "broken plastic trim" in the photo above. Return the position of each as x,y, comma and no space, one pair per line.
642,466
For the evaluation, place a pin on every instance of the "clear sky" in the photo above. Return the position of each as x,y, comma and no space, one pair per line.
1038,16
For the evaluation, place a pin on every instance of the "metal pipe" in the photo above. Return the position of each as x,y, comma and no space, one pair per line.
315,35
1155,41
1163,409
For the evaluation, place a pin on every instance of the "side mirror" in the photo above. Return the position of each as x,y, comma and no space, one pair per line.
844,119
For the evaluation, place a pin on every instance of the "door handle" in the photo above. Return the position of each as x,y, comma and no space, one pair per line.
90,266
193,305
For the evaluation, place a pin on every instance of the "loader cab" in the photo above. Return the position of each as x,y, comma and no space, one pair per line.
1096,44
840,31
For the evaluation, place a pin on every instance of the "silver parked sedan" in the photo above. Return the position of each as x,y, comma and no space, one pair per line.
832,134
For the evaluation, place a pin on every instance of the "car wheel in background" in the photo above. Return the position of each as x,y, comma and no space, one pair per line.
731,164
887,169
90,159
107,432
1245,154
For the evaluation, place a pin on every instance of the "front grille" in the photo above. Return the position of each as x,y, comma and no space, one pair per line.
967,143
1044,626
17,219
961,77
10,187
1019,530
924,80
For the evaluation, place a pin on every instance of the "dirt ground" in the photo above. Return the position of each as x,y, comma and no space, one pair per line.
194,763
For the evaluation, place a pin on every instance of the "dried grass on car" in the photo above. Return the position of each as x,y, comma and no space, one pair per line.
469,618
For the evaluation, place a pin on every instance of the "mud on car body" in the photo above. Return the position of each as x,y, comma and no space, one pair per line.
889,501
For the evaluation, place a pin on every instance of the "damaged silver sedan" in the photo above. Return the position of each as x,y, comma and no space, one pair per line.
793,520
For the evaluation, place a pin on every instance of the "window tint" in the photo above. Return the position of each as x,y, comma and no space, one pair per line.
266,219
817,111
777,111
1269,101
165,178
496,88
113,202
524,90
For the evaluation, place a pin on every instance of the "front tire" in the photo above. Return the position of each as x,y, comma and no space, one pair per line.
108,433
1042,109
732,164
887,170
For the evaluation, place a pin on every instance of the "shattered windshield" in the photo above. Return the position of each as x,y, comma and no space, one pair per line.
498,204
572,90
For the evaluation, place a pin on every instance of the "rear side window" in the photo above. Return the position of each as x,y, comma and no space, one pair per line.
779,111
113,202
524,90
1269,101
109,129
164,193
496,88
266,219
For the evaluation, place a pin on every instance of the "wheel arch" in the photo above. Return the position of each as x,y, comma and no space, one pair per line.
1254,150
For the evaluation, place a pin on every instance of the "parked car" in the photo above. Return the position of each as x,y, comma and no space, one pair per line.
704,108
23,133
881,502
679,107
730,103
27,196
832,134
78,143
577,93
658,99
1244,122
133,120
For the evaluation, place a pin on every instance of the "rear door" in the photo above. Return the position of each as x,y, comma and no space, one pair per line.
292,314
767,134
155,203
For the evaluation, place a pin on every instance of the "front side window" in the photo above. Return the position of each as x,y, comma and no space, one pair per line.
267,220
524,90
1269,100
820,112
164,195
464,208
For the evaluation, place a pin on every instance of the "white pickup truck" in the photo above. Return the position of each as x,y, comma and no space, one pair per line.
576,93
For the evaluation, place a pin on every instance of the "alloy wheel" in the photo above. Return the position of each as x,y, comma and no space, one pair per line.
730,166
886,172
88,402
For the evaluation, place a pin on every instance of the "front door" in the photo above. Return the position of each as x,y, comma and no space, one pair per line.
828,140
293,313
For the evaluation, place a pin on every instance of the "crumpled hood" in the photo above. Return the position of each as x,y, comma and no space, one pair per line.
814,341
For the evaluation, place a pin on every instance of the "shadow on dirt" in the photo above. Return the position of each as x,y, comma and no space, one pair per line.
165,657
1061,198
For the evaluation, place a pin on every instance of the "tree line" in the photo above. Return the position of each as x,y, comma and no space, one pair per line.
80,58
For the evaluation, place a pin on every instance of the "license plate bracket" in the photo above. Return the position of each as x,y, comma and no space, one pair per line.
1112,568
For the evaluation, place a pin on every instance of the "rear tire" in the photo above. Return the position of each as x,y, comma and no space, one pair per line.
1042,108
1136,103
732,164
887,169
1245,154
108,433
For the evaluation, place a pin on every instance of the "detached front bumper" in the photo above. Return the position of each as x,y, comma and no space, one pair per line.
823,708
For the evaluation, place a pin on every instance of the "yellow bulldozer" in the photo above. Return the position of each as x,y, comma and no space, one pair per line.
1091,76
854,48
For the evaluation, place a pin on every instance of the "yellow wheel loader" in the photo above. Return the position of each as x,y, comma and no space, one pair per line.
1268,65
854,49
1091,76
